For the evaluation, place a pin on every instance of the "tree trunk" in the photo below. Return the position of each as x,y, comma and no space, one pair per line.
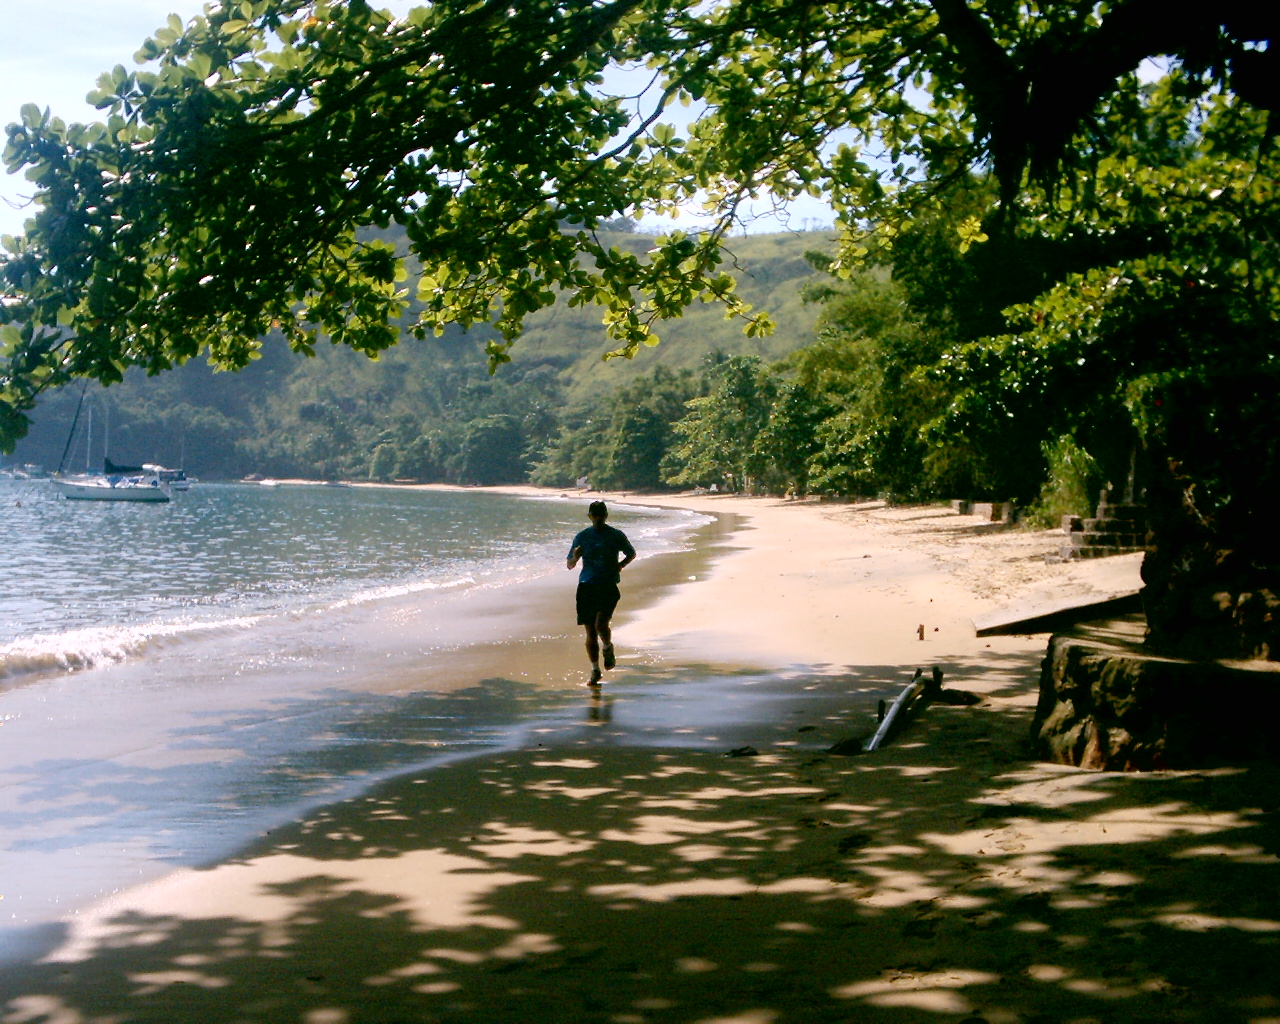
1213,579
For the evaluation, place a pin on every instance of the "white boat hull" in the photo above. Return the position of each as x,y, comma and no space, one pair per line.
105,490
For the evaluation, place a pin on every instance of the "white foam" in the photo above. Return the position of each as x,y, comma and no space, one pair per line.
399,590
98,646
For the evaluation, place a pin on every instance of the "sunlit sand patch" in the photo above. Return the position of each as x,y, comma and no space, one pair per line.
1100,988
1112,879
46,1008
507,841
1046,786
1029,871
893,888
748,1017
326,1015
695,852
524,944
568,762
409,971
836,805
1194,922
714,793
811,886
655,830
1108,828
799,927
1055,974
701,799
150,984
668,891
936,992
874,854
559,788
432,888
674,804
961,901
458,956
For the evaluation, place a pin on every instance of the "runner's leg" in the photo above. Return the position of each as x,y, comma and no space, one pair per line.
606,639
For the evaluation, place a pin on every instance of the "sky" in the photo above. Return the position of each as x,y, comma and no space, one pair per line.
52,53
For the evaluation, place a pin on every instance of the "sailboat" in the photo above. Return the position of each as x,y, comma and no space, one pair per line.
114,483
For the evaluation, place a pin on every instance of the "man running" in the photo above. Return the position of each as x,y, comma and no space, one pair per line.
599,546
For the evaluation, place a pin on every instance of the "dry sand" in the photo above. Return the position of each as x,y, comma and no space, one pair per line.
622,871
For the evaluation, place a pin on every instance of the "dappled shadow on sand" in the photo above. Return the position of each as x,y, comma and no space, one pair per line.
946,878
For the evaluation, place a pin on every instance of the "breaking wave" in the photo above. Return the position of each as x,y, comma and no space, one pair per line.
97,647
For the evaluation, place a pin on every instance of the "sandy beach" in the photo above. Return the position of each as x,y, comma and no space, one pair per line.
622,866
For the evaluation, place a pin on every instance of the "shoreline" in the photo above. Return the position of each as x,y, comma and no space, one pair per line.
305,719
621,868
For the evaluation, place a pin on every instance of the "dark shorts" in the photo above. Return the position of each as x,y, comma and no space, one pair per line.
596,599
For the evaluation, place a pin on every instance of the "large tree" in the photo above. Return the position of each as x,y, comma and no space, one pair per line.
232,184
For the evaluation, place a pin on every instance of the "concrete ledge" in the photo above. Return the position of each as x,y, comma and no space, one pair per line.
1049,616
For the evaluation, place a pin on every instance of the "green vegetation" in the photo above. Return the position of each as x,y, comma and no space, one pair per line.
412,413
1072,253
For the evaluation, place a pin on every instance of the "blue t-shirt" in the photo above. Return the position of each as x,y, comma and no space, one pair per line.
600,550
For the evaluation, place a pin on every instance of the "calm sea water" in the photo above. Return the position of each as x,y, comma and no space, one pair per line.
174,679
83,584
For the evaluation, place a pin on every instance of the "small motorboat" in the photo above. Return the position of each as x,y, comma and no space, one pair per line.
174,479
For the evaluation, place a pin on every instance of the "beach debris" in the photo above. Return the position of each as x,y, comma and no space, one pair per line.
900,702
743,752
919,693
920,631
807,728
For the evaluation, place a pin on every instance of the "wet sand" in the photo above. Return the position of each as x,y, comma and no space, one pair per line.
620,866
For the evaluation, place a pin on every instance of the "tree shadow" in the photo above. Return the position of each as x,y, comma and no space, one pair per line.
945,878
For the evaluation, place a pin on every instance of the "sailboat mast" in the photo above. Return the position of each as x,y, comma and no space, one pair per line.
71,436
88,441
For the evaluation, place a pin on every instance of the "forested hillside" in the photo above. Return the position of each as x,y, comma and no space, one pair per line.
426,409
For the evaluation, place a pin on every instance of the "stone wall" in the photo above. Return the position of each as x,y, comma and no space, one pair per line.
1107,704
